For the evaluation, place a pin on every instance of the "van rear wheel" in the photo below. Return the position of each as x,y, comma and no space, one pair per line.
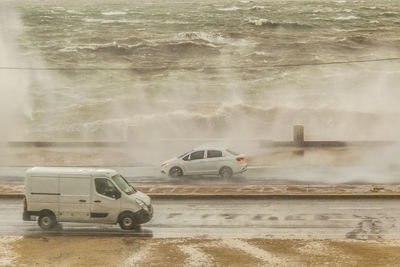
127,222
47,221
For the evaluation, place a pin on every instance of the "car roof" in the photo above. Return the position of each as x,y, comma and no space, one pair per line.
210,148
70,171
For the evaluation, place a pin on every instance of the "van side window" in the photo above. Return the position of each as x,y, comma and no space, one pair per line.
105,187
214,154
197,155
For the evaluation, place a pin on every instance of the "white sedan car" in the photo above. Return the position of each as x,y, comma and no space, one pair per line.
205,161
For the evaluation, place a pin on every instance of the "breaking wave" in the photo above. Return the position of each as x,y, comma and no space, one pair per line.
389,14
234,8
257,8
209,37
117,48
272,24
71,11
222,119
106,21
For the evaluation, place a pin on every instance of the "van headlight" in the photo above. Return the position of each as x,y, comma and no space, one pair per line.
142,204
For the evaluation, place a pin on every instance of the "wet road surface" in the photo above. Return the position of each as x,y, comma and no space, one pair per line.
255,175
238,218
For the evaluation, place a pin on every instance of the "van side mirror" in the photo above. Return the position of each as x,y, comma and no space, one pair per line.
116,194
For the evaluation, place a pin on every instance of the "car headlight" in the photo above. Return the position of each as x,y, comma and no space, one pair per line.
142,204
165,164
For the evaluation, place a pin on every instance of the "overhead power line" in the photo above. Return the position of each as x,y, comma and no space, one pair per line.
196,67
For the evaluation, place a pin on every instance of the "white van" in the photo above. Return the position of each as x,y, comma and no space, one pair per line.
83,195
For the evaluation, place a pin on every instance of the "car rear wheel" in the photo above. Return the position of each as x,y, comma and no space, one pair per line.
47,221
175,172
226,172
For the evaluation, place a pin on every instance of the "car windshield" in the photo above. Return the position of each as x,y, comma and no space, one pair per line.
184,154
233,153
123,184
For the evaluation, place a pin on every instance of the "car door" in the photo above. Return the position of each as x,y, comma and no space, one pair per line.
106,201
213,161
195,163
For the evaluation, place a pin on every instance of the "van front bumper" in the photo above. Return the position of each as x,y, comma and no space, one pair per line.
27,215
143,216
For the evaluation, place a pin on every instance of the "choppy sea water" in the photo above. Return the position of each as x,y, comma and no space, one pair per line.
198,69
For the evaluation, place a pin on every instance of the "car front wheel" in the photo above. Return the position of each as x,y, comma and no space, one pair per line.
175,172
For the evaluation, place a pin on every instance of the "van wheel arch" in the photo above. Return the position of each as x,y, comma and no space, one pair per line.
125,212
46,212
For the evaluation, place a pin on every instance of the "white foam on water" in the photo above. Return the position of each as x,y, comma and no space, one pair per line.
347,18
71,11
234,8
106,21
257,8
114,13
209,37
258,22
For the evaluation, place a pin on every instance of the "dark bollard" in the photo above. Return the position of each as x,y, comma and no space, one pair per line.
298,135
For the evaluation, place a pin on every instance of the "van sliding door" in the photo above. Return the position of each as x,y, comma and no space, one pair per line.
74,199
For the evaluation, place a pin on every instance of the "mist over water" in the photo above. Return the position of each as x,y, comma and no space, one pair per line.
15,107
216,82
201,70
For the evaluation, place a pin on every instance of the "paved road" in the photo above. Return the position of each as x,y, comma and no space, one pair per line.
275,218
261,175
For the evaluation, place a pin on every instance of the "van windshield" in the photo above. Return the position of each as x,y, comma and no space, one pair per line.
123,184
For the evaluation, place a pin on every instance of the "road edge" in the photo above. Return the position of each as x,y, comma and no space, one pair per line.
250,196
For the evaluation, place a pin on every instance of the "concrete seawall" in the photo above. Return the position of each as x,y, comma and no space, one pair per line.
298,141
250,191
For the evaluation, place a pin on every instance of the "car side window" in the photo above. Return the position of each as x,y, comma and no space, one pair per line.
186,158
197,155
106,188
214,154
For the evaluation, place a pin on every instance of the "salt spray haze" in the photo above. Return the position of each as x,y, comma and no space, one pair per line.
15,101
233,100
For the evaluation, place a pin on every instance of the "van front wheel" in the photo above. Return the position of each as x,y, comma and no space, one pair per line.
127,222
47,221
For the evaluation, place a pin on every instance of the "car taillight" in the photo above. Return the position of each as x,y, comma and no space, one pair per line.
240,159
25,204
